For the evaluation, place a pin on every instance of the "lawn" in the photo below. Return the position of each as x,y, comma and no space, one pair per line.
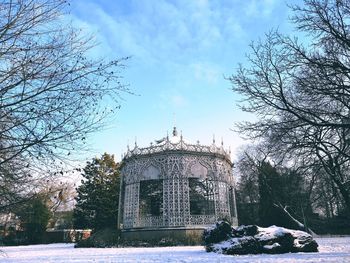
334,249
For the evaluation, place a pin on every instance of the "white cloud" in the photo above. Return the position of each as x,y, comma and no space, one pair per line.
164,30
178,101
259,8
251,8
171,99
206,72
268,7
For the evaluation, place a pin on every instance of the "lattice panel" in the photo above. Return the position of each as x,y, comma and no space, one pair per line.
203,219
222,203
174,169
151,221
131,206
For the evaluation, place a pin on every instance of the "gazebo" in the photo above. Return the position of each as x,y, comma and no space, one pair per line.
175,189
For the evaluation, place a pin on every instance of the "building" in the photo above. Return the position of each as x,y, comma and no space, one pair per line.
175,189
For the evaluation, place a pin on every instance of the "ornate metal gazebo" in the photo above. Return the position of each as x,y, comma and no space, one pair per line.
175,189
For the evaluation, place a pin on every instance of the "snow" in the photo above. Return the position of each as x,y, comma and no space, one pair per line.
232,242
269,232
332,250
274,245
224,244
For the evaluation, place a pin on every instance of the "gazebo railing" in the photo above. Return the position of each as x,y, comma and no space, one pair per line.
159,221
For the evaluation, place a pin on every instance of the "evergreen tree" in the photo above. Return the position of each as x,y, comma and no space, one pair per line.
34,215
269,192
283,197
98,195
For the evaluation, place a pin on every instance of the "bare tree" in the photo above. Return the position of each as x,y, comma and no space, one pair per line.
269,193
301,92
52,95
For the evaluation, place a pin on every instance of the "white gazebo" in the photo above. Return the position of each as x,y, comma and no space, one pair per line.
175,189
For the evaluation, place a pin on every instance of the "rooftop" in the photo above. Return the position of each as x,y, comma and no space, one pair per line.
176,142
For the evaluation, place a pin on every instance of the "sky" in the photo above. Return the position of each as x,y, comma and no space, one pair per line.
182,53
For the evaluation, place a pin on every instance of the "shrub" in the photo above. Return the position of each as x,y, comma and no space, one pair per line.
220,232
107,237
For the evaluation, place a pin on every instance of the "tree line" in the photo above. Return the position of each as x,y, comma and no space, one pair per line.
300,92
53,95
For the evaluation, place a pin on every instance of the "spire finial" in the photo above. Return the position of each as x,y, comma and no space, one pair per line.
222,141
135,141
174,119
174,131
213,138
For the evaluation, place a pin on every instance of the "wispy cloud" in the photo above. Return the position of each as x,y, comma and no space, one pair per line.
259,8
180,51
206,72
178,101
185,29
171,99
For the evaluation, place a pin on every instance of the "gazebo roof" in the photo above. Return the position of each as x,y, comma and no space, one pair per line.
176,142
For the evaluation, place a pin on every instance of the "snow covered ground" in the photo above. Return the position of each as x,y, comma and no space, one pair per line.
335,250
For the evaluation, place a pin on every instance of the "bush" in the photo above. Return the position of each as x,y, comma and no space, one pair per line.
163,242
108,237
14,238
221,231
249,230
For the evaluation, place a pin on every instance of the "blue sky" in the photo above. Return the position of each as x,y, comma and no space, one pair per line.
181,53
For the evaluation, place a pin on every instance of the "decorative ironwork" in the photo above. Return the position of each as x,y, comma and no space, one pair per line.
177,144
185,172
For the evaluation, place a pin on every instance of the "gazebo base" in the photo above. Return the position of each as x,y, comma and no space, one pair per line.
176,235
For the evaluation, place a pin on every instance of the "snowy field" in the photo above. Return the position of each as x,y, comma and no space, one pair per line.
335,250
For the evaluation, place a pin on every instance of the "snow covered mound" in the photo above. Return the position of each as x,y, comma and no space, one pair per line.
221,231
224,239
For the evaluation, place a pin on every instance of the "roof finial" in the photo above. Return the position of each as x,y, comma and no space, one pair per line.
174,131
181,135
222,141
135,141
174,119
213,138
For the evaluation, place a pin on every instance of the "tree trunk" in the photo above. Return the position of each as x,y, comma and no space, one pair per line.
299,225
